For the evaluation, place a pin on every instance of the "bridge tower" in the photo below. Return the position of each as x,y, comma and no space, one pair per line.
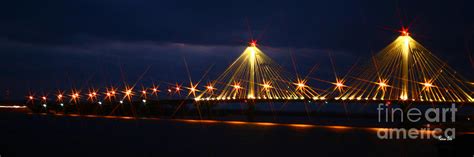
405,45
252,59
407,71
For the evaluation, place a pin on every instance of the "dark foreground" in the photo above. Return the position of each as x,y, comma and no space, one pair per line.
45,135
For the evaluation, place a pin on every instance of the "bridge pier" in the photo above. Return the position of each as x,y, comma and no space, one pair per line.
251,109
205,109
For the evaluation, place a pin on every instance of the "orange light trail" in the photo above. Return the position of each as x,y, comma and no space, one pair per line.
233,122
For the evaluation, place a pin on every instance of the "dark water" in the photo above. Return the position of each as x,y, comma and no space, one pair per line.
39,135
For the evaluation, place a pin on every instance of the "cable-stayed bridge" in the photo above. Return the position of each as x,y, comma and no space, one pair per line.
404,72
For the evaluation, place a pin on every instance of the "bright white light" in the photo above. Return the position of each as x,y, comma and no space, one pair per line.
14,106
266,86
237,86
427,84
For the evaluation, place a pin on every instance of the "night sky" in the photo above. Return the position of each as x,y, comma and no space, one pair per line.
51,44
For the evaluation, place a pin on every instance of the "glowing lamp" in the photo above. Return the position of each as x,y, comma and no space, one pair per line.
253,43
267,86
237,86
405,32
427,84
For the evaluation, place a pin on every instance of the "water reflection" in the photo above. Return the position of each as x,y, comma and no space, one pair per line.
334,128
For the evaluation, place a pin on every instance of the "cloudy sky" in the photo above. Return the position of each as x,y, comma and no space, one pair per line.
45,45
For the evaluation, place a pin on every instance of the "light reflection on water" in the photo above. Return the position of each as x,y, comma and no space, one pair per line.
171,136
335,128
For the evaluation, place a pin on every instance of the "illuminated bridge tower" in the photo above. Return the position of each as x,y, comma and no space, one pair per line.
405,47
252,56
407,71
253,75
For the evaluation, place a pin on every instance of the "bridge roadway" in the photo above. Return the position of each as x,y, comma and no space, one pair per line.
249,101
173,104
332,101
258,101
180,107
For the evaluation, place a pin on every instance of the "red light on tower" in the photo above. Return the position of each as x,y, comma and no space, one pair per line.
404,31
253,43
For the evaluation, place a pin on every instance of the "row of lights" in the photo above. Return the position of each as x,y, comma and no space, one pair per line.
314,98
92,95
99,102
266,86
252,97
129,92
374,98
